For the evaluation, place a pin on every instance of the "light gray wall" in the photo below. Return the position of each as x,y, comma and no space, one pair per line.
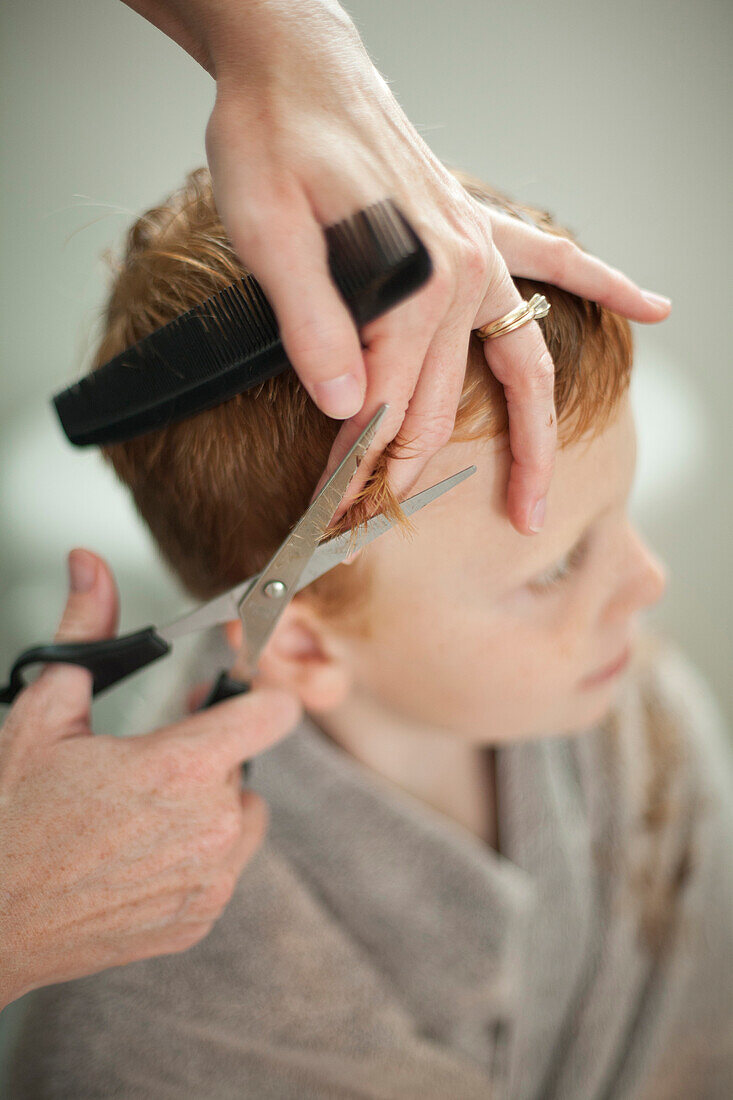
613,115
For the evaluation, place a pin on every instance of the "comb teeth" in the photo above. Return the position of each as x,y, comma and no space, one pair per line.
375,239
231,342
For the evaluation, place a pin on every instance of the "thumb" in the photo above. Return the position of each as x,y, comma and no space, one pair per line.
92,604
90,615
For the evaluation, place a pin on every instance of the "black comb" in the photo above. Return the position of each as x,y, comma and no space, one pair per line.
231,342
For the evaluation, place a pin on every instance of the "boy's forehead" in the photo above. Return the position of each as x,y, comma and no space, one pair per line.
590,476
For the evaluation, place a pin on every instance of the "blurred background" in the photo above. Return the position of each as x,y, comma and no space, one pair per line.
616,117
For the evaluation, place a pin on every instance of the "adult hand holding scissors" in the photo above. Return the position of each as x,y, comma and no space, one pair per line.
304,132
116,849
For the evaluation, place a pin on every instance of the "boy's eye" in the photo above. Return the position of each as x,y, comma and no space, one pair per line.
559,572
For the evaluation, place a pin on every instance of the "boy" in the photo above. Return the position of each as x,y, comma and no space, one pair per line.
452,902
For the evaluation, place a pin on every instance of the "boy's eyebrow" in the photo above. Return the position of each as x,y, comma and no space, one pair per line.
575,546
580,539
597,514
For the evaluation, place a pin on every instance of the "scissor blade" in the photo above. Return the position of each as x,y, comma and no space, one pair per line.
291,557
264,602
336,550
224,608
311,527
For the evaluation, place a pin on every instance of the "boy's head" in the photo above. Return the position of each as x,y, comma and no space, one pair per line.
466,625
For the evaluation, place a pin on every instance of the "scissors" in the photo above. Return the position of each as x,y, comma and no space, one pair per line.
258,602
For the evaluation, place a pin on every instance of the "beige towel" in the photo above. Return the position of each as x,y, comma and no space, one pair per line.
375,950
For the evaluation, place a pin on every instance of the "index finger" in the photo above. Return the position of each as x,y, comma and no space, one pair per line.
531,253
238,729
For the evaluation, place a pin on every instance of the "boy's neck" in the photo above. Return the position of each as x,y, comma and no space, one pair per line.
434,766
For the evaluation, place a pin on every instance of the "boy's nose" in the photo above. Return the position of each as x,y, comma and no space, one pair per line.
642,582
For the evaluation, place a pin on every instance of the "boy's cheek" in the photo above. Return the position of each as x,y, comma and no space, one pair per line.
457,658
471,682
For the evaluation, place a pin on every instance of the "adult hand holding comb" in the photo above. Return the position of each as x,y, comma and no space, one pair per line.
304,132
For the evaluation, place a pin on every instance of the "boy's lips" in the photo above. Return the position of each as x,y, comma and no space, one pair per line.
608,671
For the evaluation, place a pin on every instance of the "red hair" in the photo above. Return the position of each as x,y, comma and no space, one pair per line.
220,490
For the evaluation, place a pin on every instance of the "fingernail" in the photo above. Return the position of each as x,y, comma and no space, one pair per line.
340,397
82,571
656,299
537,515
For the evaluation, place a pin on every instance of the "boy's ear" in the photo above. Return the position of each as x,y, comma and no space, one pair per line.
302,656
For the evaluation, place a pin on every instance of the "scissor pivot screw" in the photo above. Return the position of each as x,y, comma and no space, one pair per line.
275,590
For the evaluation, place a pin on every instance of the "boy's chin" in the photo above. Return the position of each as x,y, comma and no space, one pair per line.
593,706
581,713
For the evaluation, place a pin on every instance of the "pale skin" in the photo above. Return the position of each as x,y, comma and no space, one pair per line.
117,849
304,132
478,637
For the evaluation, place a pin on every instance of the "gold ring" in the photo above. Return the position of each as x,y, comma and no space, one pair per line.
538,306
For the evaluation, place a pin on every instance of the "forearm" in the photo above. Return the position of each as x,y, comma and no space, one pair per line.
13,982
7,993
222,32
179,20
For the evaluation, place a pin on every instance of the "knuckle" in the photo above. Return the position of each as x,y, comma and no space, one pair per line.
536,377
542,376
432,432
564,252
499,280
475,262
186,936
438,431
310,338
251,230
167,766
442,282
206,901
179,765
221,833
217,894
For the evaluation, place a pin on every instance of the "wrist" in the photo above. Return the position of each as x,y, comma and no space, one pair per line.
186,22
11,988
14,983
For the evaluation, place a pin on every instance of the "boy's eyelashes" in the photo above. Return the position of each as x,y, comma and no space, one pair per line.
558,573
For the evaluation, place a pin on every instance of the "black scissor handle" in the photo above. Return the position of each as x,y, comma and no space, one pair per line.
226,687
109,661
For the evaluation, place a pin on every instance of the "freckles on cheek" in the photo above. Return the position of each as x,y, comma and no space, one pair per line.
564,646
569,639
